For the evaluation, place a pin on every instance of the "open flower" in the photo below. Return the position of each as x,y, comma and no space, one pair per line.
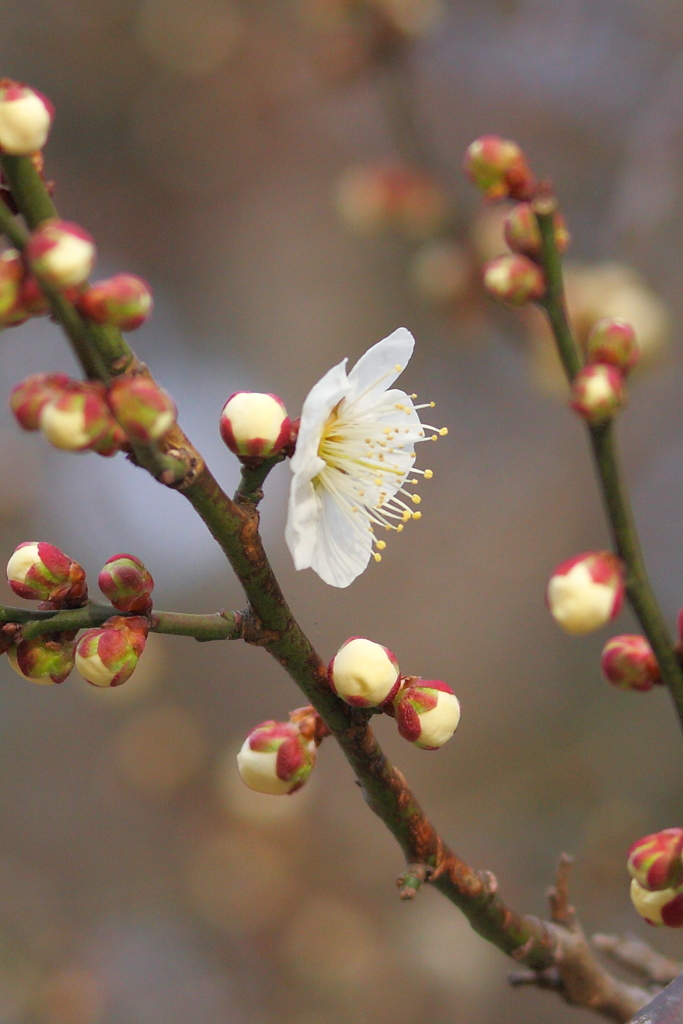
354,453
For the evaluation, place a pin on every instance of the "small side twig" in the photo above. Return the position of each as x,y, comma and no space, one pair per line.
639,957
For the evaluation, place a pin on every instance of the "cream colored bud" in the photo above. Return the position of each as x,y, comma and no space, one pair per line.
363,673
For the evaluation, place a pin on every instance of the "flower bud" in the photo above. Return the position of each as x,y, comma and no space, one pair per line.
523,234
597,392
61,253
38,571
108,656
29,397
255,425
427,713
498,167
125,581
655,861
629,663
124,301
144,410
276,759
514,279
585,592
25,119
79,419
374,197
613,340
45,659
364,673
664,907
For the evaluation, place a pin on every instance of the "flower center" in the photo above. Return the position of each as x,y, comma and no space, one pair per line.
369,454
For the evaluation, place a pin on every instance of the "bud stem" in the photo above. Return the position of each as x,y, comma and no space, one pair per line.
614,492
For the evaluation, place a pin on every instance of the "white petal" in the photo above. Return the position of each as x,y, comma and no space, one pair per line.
319,403
303,520
341,553
380,366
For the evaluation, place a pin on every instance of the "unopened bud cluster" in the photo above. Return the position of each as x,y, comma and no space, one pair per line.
598,390
628,662
656,867
105,656
82,416
25,119
277,758
366,674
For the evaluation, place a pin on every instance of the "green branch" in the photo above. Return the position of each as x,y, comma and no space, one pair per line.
614,492
36,622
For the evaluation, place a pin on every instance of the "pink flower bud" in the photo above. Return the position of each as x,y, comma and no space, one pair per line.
498,167
659,908
585,592
45,659
655,861
514,279
38,571
255,425
125,581
25,119
61,253
79,419
629,663
523,234
374,197
613,341
29,397
124,301
275,758
597,392
427,713
144,410
108,656
364,673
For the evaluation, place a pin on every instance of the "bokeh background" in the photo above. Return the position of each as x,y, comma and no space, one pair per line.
202,142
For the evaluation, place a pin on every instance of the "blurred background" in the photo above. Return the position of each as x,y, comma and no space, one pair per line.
285,174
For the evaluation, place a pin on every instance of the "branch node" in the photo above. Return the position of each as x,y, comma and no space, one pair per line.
412,880
561,910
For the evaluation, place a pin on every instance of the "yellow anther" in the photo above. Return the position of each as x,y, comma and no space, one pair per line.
416,499
399,406
432,405
428,474
399,527
413,397
387,431
398,368
417,515
381,544
443,431
376,555
406,516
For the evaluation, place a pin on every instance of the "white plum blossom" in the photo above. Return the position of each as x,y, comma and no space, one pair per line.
354,453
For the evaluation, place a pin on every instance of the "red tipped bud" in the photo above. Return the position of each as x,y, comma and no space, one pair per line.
613,341
276,758
629,663
364,673
61,253
523,234
144,410
585,592
108,656
514,279
664,907
25,119
125,581
38,571
655,861
45,659
124,301
427,713
11,277
498,167
29,397
79,419
598,392
255,425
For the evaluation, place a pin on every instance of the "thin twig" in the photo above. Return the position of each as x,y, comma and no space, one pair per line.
639,957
